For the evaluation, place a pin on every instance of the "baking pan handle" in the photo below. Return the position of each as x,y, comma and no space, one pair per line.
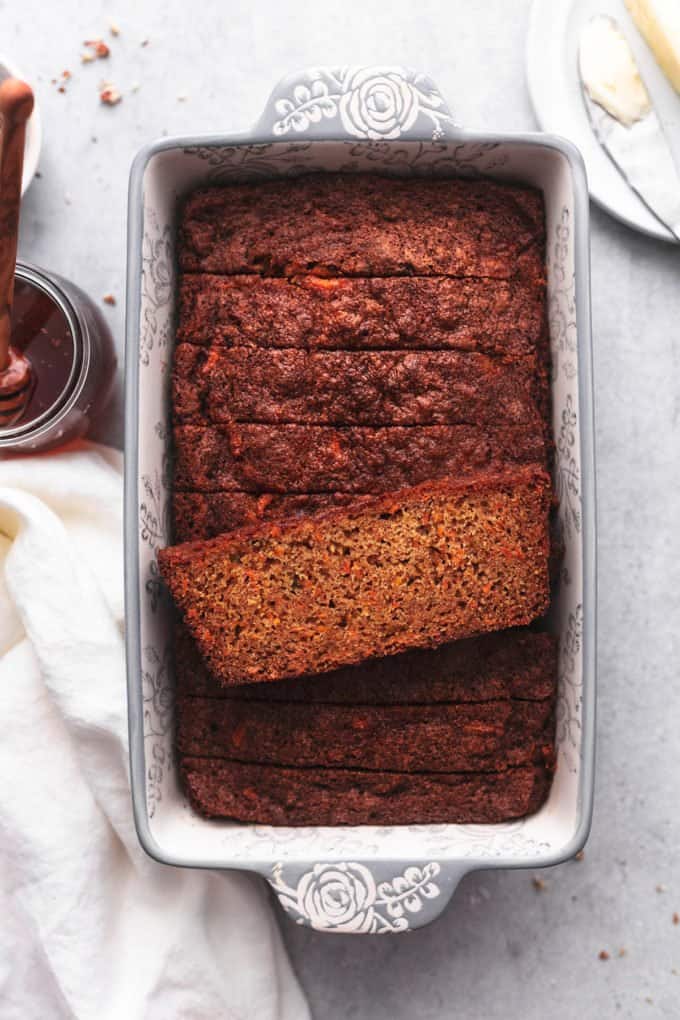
366,898
375,104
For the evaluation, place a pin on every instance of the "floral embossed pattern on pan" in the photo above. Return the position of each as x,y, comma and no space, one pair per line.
376,103
344,897
368,878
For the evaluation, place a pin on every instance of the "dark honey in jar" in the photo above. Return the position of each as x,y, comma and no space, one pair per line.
70,350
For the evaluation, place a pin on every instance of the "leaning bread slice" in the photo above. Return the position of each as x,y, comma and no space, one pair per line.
411,569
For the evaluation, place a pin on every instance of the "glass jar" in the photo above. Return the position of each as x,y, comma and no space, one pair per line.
72,356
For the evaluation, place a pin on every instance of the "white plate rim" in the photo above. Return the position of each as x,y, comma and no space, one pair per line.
558,11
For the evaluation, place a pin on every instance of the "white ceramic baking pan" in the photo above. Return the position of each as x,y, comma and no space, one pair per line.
392,121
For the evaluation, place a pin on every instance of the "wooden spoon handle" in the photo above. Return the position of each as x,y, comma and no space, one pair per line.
16,104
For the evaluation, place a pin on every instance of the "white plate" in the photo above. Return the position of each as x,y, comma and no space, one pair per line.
552,76
33,129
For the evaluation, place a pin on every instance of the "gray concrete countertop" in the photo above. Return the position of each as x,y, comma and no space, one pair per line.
504,948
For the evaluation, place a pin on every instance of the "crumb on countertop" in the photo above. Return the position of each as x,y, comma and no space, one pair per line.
97,48
580,855
114,29
603,955
538,884
109,299
62,81
109,95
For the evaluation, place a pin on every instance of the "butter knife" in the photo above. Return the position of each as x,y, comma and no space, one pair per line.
639,150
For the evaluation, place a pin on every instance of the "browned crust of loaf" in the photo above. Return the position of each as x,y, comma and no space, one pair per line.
271,795
207,514
503,319
487,737
527,488
508,664
361,225
219,386
320,458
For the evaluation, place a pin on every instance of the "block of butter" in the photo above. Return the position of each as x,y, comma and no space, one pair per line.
659,23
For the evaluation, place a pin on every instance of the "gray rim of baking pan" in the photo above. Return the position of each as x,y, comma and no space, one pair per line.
453,870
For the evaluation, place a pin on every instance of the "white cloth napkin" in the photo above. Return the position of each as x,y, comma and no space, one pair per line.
90,927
